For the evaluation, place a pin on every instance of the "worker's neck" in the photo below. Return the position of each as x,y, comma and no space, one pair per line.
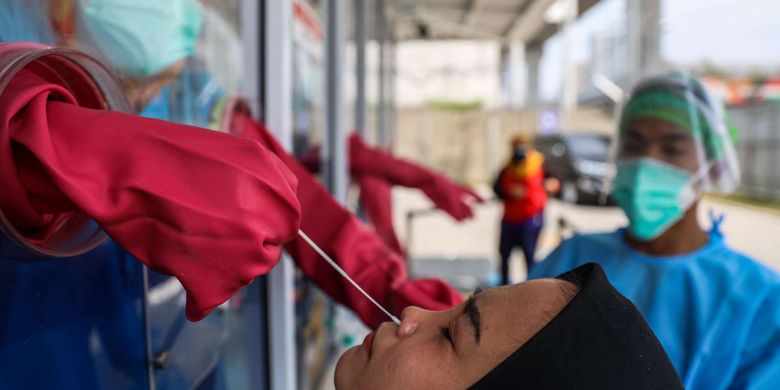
683,237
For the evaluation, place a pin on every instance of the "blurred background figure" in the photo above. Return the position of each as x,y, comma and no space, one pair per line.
715,310
520,185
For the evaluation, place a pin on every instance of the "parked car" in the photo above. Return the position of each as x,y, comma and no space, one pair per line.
581,163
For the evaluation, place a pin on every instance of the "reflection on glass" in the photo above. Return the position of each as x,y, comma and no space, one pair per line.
74,323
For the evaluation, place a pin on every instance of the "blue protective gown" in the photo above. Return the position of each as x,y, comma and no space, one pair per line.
715,311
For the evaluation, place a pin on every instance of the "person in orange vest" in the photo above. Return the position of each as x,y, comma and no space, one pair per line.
520,185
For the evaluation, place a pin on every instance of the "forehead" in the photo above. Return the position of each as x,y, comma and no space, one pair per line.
654,129
517,312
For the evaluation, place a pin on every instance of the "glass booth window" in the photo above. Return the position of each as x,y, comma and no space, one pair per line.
308,70
101,320
74,322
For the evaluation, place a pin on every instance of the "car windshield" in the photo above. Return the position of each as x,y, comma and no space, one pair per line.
589,147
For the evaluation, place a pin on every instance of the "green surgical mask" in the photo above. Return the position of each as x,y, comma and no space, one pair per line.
653,194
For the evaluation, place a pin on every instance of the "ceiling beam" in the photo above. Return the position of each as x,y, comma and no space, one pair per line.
530,25
451,27
471,12
528,21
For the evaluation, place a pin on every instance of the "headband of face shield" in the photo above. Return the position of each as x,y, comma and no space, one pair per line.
682,100
143,37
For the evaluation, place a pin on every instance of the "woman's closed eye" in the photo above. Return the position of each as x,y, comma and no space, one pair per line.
446,333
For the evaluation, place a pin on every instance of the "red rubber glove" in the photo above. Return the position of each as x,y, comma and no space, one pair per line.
373,165
377,202
209,208
380,271
447,195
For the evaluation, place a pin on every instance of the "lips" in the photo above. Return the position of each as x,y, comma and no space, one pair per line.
368,342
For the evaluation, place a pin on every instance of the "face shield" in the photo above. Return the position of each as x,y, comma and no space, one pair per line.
675,120
673,144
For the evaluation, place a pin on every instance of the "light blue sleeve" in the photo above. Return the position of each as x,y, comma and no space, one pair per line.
759,367
561,259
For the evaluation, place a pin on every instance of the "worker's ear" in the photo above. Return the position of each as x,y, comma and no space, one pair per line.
713,173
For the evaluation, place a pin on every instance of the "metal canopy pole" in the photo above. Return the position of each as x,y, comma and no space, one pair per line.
391,112
335,155
533,59
360,71
381,37
643,37
569,99
278,116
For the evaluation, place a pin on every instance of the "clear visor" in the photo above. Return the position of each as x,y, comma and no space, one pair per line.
675,119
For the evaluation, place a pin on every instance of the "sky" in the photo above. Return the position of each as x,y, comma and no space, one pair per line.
726,33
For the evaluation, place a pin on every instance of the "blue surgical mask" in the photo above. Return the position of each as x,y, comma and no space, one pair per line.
653,194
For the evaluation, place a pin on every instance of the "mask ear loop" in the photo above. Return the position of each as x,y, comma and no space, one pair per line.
695,185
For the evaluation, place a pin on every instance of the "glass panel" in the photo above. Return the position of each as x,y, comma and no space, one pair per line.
307,77
227,349
312,308
77,322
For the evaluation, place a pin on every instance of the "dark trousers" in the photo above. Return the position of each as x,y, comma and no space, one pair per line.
523,235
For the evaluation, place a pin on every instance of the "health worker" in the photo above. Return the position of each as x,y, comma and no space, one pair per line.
715,310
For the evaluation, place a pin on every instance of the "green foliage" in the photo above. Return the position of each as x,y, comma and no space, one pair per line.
707,68
454,105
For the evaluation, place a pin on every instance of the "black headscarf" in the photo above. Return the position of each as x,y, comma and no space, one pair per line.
598,341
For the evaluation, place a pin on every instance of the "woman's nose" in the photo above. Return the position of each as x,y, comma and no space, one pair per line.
411,317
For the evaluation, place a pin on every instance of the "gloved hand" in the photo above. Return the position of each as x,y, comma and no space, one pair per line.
380,271
377,202
447,195
209,208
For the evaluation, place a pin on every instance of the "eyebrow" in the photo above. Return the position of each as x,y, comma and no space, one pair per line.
677,137
475,318
631,132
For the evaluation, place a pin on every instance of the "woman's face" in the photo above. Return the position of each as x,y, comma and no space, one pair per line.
453,349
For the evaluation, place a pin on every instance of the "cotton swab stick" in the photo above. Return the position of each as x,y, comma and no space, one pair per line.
344,274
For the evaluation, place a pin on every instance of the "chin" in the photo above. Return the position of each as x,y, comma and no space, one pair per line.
347,366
